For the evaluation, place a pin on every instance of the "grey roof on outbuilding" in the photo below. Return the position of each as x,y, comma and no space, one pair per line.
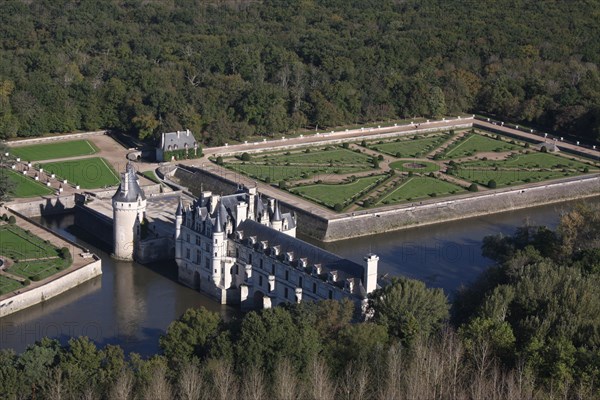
177,140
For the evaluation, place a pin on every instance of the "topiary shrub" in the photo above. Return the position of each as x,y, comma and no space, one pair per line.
282,184
380,157
219,160
65,254
473,188
345,145
491,184
12,220
4,217
246,157
26,282
338,207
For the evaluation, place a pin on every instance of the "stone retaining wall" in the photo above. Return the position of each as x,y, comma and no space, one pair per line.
46,205
53,288
468,123
72,136
94,223
449,210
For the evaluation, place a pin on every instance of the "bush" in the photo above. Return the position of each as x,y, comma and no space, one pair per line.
527,145
544,149
363,143
307,151
26,282
219,160
411,174
380,157
345,145
491,184
4,217
267,179
246,157
65,253
12,220
338,207
282,184
586,170
473,188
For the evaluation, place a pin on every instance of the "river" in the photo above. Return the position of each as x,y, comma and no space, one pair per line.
131,305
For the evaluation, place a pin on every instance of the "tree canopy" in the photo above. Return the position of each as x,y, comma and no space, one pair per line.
227,70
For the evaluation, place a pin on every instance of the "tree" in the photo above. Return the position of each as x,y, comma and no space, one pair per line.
191,335
409,309
6,184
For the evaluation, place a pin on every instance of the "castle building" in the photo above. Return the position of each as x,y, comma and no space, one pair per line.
174,141
241,249
129,208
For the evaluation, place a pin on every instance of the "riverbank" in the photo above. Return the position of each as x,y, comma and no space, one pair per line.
84,267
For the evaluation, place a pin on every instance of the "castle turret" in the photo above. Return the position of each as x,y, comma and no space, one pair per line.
178,223
370,273
276,220
129,208
219,246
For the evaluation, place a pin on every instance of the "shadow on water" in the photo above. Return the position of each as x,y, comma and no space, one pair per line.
130,305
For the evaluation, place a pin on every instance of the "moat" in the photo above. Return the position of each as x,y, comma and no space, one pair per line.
131,305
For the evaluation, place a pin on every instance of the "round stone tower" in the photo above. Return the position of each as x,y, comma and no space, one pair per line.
129,208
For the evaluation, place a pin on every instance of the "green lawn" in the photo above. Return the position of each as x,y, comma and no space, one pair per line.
38,270
275,173
418,188
336,156
405,166
331,194
16,243
152,176
49,151
476,143
25,186
531,160
507,177
409,147
89,173
8,285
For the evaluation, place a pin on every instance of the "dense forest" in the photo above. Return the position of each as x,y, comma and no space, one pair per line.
230,69
529,328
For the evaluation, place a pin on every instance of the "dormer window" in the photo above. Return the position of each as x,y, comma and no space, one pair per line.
303,262
275,250
349,285
239,235
332,276
289,256
264,245
252,240
316,269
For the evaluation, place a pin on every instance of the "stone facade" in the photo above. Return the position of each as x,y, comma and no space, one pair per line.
242,249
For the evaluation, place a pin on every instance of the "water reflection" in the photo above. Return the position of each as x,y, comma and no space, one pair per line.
131,305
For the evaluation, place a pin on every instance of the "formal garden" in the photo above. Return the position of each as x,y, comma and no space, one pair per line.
406,168
88,173
24,186
51,151
25,257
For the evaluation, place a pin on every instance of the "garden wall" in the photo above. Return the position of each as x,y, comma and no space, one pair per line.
53,288
367,223
46,205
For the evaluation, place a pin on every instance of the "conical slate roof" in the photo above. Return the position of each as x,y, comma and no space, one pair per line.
179,207
129,190
277,213
218,222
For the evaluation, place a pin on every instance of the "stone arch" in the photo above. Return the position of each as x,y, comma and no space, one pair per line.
258,300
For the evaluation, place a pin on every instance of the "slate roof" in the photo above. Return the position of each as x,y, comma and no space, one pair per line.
129,190
315,255
177,140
